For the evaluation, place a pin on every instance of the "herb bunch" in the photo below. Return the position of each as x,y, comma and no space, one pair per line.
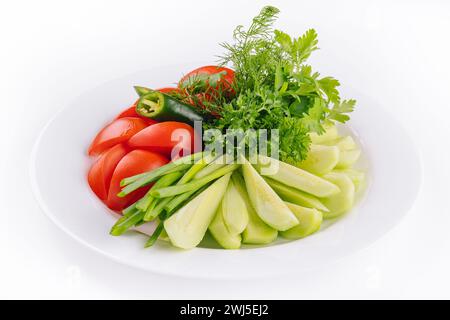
275,87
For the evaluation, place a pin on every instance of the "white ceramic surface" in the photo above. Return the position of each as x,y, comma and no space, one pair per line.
59,165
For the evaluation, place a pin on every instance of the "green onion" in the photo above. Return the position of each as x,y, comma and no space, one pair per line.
198,166
164,181
176,201
158,207
155,235
148,177
194,185
129,209
218,163
126,222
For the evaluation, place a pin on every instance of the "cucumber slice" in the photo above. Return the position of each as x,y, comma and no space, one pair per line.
310,221
297,178
356,176
234,210
220,232
344,143
295,196
321,159
256,232
268,205
188,225
330,133
348,158
343,201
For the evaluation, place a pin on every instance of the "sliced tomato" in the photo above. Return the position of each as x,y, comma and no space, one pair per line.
118,131
99,176
170,138
135,162
211,78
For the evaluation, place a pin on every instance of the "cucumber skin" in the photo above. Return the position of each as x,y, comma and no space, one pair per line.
256,232
220,232
310,222
296,196
300,179
343,201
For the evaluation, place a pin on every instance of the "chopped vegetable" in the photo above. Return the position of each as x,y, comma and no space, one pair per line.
256,231
320,159
268,205
118,131
310,221
343,201
347,158
296,196
188,225
162,107
221,233
173,139
234,210
296,177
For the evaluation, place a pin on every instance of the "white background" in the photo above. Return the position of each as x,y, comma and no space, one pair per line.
51,51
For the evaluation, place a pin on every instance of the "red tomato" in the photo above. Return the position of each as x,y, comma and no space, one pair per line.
129,112
202,75
118,131
169,138
99,176
135,162
168,90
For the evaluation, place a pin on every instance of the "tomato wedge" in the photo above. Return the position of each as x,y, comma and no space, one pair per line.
135,162
118,131
211,78
170,138
100,174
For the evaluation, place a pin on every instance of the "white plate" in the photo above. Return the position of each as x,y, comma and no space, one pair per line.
59,165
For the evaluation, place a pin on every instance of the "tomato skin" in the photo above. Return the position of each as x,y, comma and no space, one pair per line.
158,138
118,131
135,162
100,173
225,83
129,112
168,89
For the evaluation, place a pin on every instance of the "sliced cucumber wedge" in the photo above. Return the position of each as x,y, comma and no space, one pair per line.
343,201
356,176
220,232
344,143
295,196
331,133
268,205
234,210
348,158
310,221
188,225
321,159
256,232
297,178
